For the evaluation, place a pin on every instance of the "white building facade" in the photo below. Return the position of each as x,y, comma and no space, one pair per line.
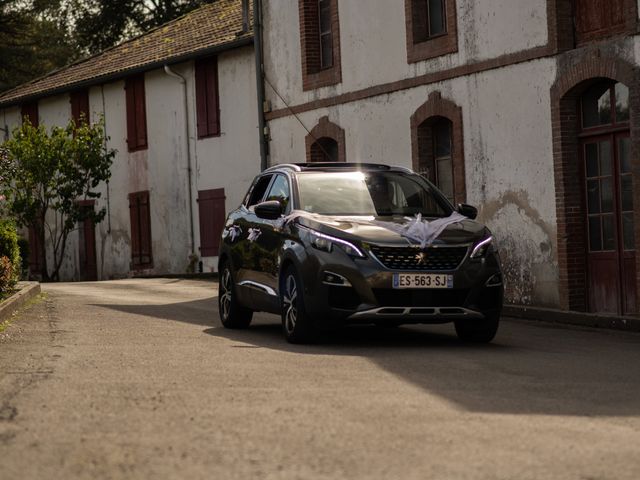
184,124
524,108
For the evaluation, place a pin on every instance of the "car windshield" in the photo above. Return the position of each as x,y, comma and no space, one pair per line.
369,193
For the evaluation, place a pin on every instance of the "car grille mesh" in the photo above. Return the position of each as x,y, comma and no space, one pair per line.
409,258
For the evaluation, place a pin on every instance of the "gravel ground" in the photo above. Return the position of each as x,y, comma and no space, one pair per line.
137,379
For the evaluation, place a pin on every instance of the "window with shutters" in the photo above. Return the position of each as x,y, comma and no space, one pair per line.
30,111
80,106
212,215
136,113
140,216
207,97
596,19
431,28
320,42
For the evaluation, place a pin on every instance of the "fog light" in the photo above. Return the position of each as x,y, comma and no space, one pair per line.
331,278
494,281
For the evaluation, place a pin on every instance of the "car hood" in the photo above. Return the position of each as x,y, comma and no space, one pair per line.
380,230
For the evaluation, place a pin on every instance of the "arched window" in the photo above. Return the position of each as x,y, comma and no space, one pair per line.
605,147
324,150
435,160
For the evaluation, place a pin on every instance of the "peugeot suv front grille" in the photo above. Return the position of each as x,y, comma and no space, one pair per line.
413,258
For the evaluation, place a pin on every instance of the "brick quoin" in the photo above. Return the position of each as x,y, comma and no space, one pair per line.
587,67
326,129
437,107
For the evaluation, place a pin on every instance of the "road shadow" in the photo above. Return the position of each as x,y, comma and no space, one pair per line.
530,368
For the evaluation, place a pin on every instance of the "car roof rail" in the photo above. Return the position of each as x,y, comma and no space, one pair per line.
289,166
343,166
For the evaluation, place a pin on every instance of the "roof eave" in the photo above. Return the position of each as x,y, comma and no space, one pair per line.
241,42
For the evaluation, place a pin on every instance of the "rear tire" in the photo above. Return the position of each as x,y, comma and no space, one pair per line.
478,331
232,314
297,325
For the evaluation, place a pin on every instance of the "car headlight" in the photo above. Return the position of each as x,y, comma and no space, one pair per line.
326,243
482,248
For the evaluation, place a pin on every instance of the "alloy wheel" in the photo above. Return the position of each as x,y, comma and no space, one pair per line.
225,294
289,300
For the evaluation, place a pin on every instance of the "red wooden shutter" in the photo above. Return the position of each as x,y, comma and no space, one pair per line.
207,97
212,213
136,113
80,106
213,107
141,114
140,216
201,99
131,114
30,110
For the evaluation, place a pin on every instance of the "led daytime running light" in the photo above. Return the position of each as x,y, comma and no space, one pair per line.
338,241
480,249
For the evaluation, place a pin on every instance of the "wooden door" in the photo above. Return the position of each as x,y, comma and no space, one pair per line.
609,224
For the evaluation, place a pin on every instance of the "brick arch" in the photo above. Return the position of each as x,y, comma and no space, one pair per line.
434,108
326,129
571,82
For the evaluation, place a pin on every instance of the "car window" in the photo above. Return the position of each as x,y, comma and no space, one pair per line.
375,193
280,191
258,190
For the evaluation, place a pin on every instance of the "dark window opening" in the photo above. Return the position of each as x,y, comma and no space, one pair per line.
605,104
324,149
280,191
207,97
436,154
326,34
429,19
30,111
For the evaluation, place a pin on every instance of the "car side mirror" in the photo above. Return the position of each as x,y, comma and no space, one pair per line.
468,211
270,210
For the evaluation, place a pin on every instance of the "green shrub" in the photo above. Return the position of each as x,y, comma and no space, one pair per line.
9,247
7,275
23,243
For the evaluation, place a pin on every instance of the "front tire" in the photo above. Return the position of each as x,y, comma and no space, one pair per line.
232,314
297,324
478,331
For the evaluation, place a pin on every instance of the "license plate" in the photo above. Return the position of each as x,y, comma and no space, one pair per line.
422,280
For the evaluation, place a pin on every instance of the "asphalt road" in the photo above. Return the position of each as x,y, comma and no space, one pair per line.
137,379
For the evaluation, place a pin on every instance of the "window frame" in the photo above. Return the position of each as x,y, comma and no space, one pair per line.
30,109
314,73
79,101
431,46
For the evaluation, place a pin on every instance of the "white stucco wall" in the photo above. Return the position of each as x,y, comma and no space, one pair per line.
373,42
229,161
508,158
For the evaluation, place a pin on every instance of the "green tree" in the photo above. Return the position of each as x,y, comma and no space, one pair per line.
34,40
100,24
44,174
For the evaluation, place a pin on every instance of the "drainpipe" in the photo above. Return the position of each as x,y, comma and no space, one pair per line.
183,81
257,44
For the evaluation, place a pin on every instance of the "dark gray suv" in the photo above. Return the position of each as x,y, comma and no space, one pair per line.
326,244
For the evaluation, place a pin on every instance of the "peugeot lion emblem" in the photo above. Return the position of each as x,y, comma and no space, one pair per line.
421,258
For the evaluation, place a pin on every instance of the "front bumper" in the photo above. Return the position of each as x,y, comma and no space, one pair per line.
369,296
